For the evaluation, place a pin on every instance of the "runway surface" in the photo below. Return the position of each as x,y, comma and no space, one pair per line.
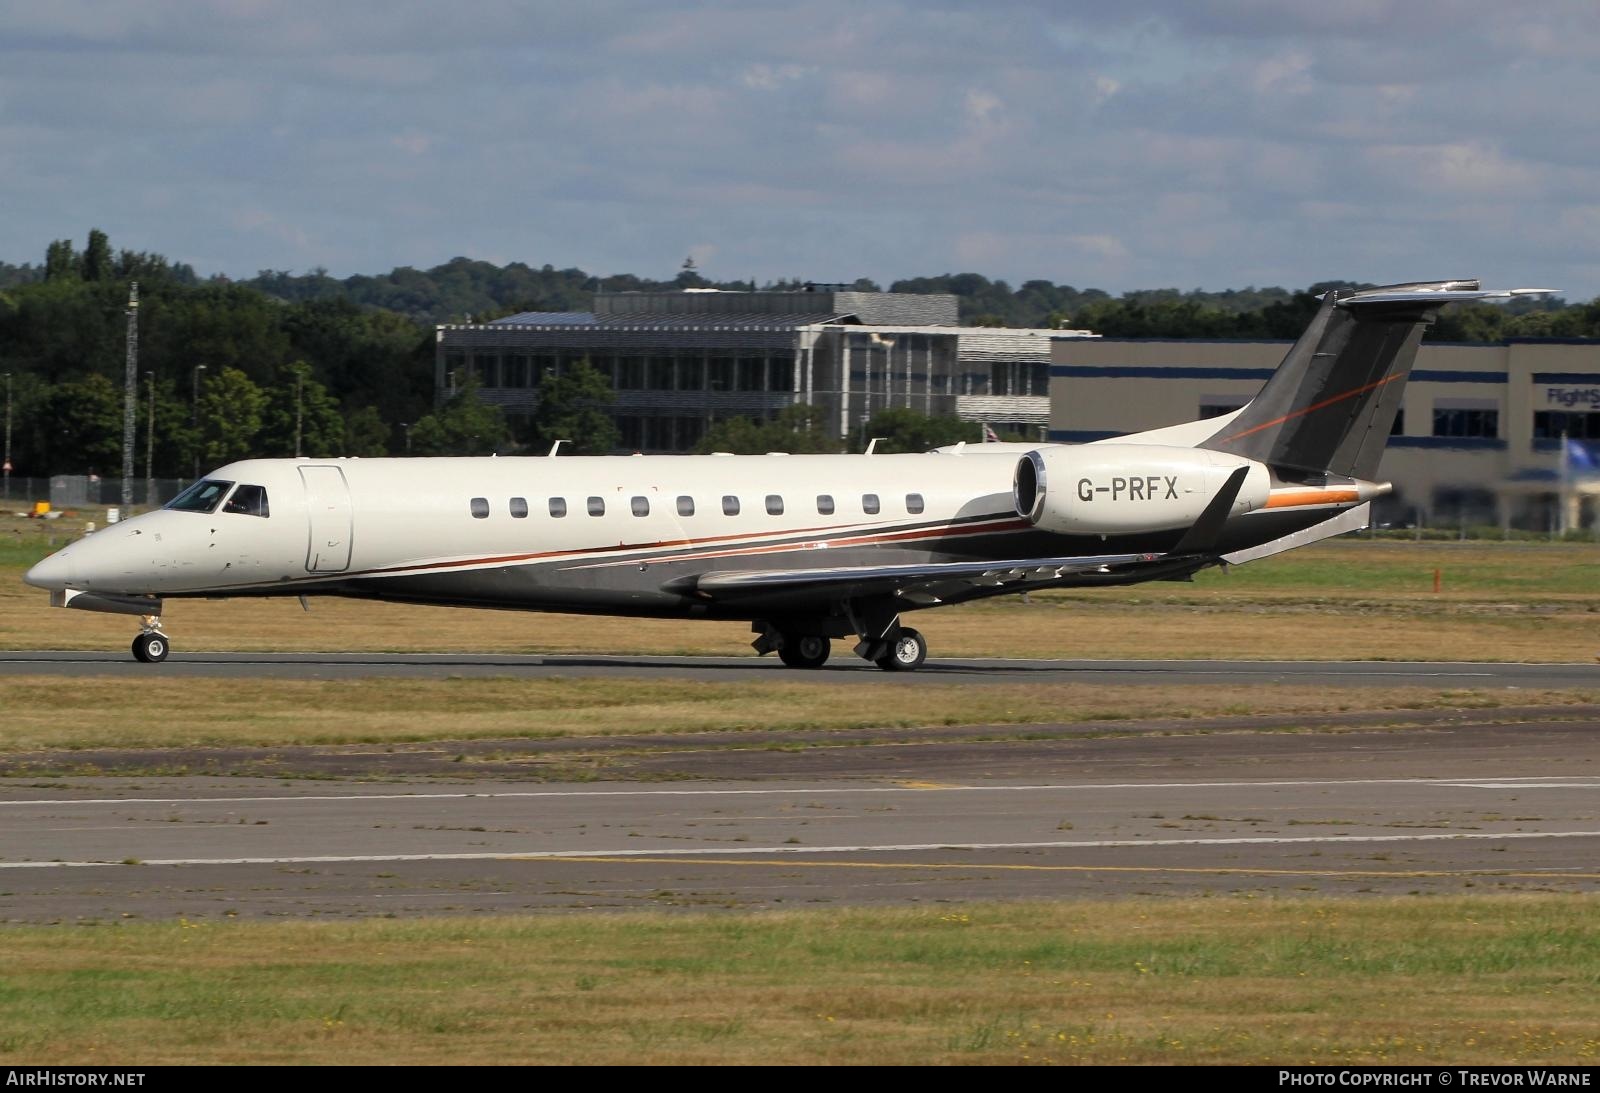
843,669
1451,808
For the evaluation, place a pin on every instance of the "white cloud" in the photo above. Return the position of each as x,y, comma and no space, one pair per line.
1464,167
1210,143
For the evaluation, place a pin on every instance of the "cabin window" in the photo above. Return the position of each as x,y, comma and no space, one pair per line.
641,506
869,504
825,504
248,500
774,505
597,506
480,508
686,506
558,507
914,503
200,497
519,508
730,506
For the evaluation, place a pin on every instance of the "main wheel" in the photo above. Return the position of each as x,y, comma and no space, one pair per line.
906,653
805,651
150,648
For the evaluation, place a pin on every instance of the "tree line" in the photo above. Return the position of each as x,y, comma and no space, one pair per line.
346,366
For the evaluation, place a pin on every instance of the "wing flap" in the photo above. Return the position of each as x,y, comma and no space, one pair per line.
929,583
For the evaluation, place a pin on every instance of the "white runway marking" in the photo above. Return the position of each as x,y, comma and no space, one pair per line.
1520,782
727,852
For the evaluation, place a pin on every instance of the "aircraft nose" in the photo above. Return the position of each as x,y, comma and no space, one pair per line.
53,573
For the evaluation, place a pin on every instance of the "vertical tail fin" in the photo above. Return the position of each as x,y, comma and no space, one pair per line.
1331,403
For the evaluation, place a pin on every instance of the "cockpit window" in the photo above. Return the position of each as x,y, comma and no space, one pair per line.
249,500
200,497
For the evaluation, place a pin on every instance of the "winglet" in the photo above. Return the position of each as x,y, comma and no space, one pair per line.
1206,532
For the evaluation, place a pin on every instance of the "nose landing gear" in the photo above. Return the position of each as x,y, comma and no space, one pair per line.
151,646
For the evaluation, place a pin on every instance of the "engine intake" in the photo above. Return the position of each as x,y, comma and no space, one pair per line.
1120,489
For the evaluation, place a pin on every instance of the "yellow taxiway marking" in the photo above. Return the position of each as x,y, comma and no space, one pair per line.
930,785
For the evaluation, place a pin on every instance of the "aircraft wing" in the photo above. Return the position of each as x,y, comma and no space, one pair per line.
928,583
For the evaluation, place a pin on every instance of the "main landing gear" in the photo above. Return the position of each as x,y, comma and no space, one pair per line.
151,646
883,641
804,651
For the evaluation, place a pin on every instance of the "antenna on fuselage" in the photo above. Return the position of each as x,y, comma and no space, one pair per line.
873,443
556,447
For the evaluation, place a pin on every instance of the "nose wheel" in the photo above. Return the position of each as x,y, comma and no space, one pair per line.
151,646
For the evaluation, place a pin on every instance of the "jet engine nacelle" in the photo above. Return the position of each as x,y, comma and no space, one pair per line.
1121,489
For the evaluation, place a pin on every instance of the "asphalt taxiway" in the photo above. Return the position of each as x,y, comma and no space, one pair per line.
843,668
1447,807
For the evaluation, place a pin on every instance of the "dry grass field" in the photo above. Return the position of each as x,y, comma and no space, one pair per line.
44,714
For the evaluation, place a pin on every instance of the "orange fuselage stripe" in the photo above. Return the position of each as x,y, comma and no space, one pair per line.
1283,499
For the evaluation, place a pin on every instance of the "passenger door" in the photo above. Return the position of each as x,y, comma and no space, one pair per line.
328,507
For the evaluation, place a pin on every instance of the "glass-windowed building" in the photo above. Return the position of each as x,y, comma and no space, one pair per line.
681,361
1478,441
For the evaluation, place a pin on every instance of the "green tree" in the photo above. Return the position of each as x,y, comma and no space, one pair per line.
231,409
366,434
902,430
366,356
463,426
175,436
298,402
572,407
227,326
97,257
798,428
60,262
80,426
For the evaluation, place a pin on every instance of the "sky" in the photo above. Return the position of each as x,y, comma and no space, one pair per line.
1186,144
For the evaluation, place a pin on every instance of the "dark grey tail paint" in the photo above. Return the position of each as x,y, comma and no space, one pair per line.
1331,403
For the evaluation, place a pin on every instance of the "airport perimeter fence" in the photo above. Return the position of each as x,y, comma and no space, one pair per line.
64,492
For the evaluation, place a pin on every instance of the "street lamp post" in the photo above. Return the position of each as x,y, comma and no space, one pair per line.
299,380
150,446
406,425
194,417
8,436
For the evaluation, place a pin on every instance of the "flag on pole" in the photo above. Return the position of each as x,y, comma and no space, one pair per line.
1581,458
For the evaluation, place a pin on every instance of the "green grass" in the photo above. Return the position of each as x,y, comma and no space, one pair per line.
1219,980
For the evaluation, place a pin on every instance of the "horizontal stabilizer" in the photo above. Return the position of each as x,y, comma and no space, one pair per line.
1347,521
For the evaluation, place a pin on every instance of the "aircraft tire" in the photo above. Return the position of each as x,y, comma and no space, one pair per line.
151,648
804,651
906,653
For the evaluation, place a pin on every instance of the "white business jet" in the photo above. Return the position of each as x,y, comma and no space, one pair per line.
805,548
